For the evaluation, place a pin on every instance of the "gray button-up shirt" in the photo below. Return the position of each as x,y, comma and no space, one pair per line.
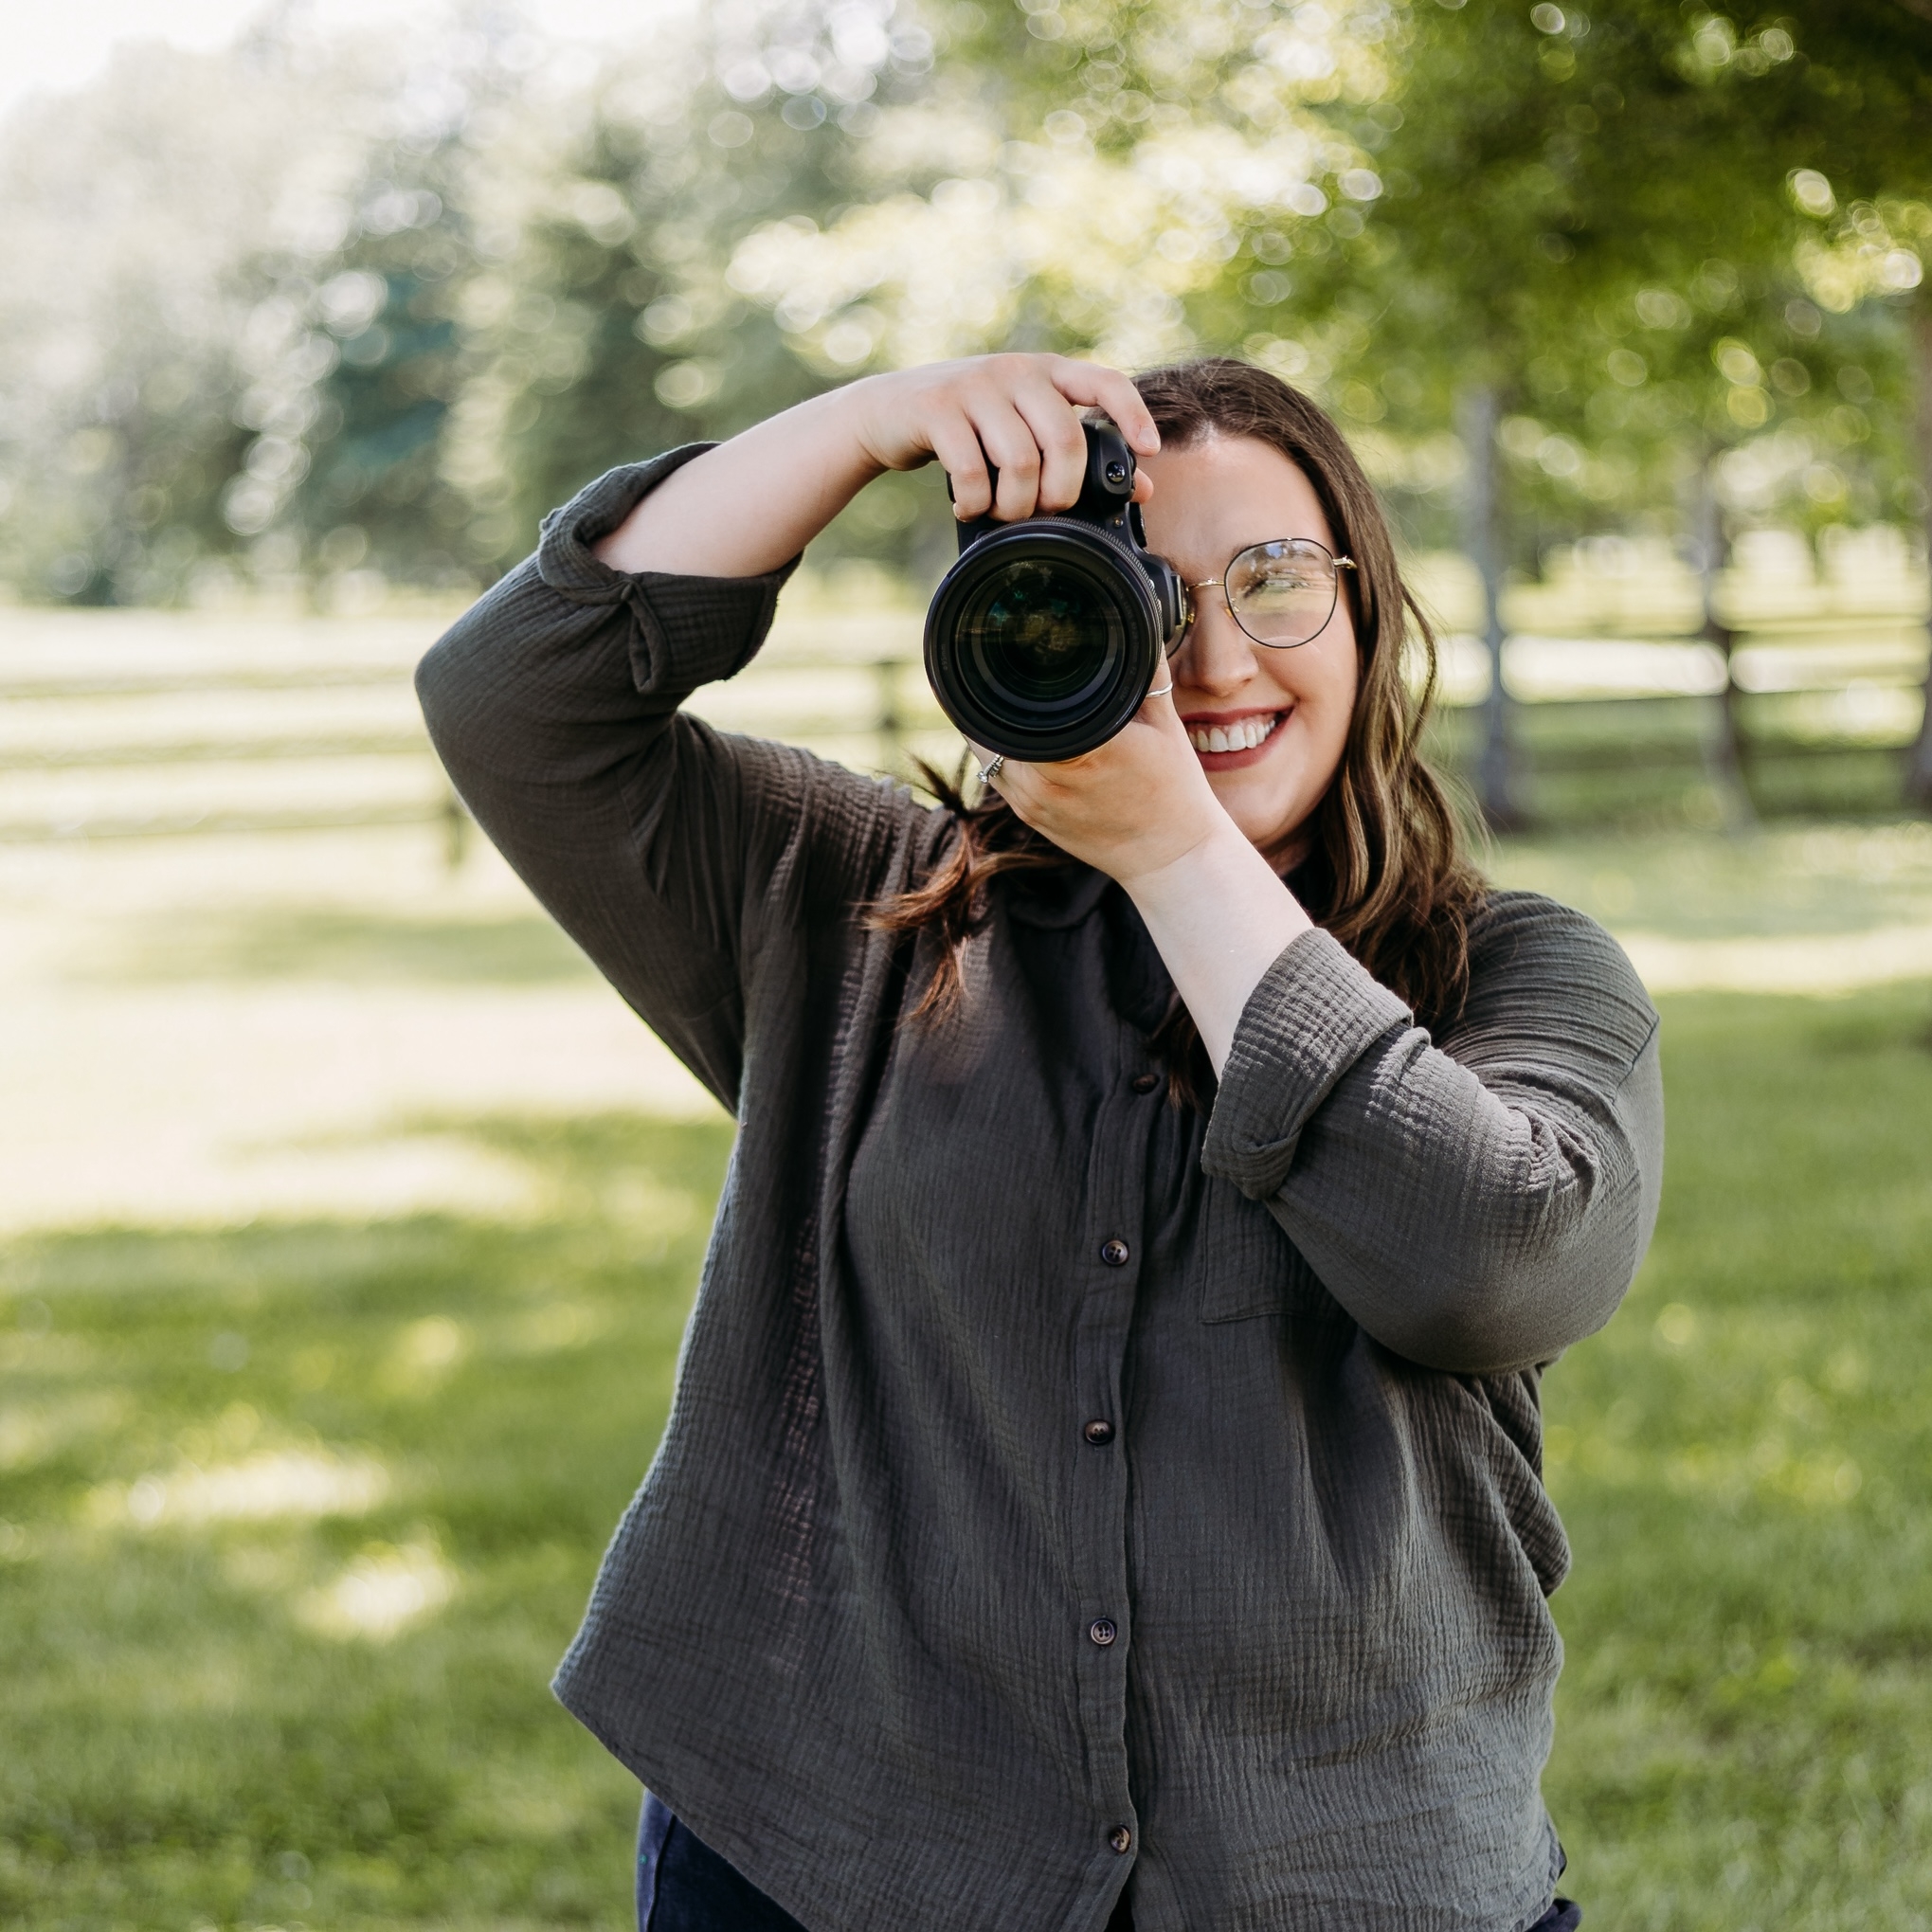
1062,1489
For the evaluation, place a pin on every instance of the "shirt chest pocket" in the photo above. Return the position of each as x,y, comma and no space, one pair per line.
1243,1263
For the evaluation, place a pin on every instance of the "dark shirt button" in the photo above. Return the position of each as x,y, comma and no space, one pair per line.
1145,1083
1121,1838
1099,1433
1102,1631
1114,1252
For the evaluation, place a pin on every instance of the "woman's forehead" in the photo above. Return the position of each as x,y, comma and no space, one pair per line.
1222,492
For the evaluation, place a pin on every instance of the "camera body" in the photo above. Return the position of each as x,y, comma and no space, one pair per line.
1046,635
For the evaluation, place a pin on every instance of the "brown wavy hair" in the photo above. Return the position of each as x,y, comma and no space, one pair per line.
1384,870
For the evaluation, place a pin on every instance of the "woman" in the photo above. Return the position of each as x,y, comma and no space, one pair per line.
1102,1488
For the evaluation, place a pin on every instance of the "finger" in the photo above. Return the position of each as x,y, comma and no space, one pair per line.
982,761
1013,450
1056,427
1142,486
957,447
1090,384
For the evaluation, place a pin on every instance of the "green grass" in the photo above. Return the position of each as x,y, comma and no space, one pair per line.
257,943
1817,878
182,1746
194,1737
1744,1460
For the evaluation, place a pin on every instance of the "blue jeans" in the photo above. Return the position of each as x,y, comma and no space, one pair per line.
684,1886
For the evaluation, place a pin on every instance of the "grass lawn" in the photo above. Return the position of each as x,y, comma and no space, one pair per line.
1744,1459
295,1521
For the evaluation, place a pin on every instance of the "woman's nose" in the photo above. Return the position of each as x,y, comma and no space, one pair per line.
1217,655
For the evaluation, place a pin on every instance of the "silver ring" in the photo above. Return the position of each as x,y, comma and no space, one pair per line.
992,769
1164,690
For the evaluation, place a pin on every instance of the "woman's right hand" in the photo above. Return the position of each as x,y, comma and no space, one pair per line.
1019,412
752,504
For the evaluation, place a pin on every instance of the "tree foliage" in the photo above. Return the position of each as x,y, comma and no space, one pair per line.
314,308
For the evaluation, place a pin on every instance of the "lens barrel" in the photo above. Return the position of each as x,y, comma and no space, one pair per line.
1045,636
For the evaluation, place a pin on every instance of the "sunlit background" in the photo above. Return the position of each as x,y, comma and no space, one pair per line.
347,1223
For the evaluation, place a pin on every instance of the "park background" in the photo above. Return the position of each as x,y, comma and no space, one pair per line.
347,1225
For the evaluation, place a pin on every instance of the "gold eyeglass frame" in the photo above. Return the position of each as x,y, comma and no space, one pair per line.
1335,563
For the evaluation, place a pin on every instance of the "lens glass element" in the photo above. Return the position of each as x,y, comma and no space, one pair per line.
1041,632
1283,592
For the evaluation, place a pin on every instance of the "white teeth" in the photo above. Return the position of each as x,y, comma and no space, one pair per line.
1243,735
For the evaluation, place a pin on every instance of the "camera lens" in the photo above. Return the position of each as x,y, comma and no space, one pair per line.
1043,639
1041,635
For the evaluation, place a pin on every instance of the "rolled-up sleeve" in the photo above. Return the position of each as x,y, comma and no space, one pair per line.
1478,1204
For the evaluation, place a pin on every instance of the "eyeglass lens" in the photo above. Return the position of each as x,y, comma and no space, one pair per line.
1282,592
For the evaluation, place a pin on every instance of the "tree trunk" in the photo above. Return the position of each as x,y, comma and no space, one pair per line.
1725,748
1495,774
1919,771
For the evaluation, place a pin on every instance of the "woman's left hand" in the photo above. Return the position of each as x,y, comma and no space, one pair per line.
1138,803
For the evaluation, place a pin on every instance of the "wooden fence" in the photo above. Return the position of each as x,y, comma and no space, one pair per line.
1789,690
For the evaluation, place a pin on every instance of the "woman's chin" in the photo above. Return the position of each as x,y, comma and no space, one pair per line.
1265,792
1269,817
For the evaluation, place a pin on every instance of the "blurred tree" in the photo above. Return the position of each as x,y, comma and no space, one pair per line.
1586,199
606,331
382,352
1862,124
1137,181
131,217
1831,104
600,321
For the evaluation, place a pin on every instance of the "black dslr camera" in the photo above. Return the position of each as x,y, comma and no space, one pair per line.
1045,636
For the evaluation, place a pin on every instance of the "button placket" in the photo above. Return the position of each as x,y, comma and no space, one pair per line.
1115,1208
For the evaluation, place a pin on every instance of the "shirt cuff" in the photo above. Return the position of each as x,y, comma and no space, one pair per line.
1315,1013
688,630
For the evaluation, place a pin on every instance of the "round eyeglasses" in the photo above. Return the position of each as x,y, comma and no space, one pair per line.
1281,593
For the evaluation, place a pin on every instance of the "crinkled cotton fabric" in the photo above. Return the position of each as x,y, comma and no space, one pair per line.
1061,1485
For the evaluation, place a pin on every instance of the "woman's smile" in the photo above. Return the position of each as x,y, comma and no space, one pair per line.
1229,741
